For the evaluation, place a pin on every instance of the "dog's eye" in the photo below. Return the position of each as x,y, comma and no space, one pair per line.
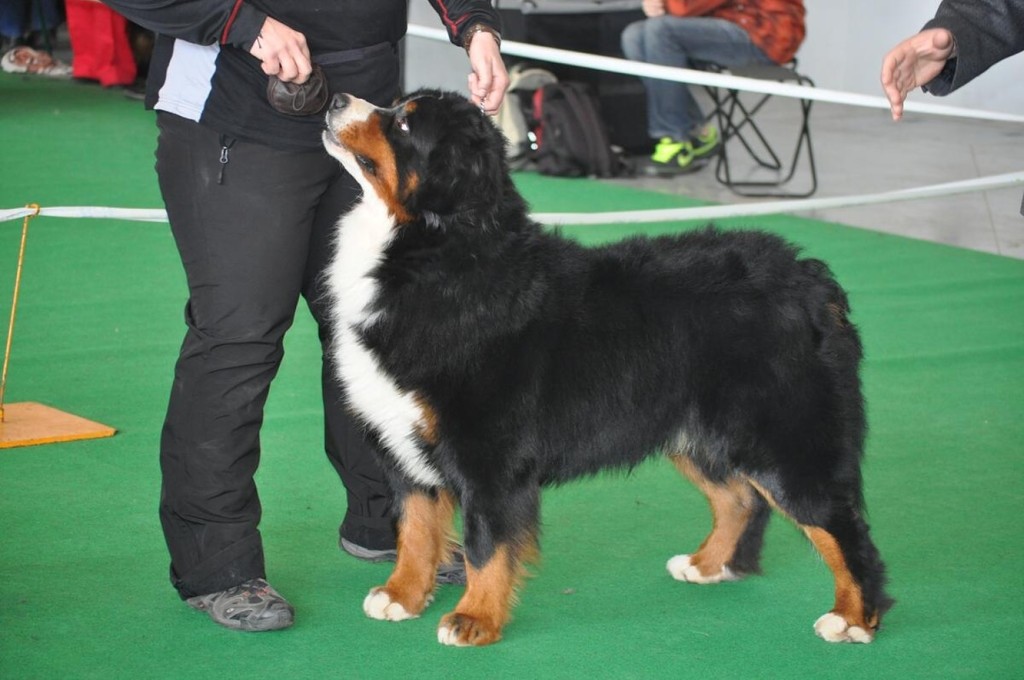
367,164
403,124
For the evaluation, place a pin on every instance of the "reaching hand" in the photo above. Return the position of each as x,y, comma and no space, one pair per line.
282,51
913,63
489,80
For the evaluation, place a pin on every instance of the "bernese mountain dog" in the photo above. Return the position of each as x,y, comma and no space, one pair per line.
488,357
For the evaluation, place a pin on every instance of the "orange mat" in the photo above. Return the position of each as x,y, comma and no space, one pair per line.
29,423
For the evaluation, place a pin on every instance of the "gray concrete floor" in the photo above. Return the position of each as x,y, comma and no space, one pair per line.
861,151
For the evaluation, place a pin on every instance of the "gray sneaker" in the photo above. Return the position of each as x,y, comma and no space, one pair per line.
453,572
367,554
252,606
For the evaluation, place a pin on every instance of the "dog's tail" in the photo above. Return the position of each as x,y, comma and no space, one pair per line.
829,306
838,341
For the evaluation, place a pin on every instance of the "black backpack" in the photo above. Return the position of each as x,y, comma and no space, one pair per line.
569,134
515,117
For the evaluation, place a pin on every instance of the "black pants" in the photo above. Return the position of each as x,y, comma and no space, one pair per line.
254,234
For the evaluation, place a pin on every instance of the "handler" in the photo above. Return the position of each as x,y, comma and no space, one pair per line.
252,199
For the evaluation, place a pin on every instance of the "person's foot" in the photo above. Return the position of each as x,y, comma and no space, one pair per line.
675,157
136,90
451,572
705,141
26,60
252,606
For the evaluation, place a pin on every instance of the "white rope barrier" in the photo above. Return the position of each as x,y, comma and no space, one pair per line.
671,214
131,214
694,77
717,212
628,217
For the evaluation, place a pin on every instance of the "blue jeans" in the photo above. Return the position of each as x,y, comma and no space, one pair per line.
679,41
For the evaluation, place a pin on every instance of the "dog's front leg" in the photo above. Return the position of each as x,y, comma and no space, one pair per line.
496,548
424,525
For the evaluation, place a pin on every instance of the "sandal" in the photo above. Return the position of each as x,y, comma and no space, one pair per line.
33,62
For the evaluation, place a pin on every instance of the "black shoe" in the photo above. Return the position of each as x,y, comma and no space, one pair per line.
136,91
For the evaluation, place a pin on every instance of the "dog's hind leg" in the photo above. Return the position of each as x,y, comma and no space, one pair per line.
840,534
423,543
739,517
496,547
859,575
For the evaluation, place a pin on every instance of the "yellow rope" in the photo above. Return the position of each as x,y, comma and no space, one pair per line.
14,304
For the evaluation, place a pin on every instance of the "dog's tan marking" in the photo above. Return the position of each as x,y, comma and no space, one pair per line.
849,600
731,507
366,138
424,540
767,495
485,607
427,428
838,313
412,183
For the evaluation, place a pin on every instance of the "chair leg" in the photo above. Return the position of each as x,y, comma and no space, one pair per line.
736,122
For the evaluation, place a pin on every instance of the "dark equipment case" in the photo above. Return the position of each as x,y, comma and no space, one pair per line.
593,27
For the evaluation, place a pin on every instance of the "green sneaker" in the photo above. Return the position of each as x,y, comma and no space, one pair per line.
705,141
671,157
673,152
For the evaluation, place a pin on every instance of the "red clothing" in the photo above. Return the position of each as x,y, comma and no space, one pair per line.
776,26
99,43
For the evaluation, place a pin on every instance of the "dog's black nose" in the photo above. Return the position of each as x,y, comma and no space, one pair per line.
339,101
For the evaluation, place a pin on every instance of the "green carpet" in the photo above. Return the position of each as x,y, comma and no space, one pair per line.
83,568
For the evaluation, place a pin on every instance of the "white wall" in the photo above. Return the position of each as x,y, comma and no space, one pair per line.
846,40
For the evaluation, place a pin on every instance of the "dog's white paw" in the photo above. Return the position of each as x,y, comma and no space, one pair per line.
446,636
834,628
682,569
379,605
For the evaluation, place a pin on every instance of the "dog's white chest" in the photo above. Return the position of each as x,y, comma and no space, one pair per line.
363,235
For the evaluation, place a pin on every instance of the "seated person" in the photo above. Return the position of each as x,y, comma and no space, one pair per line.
729,33
30,23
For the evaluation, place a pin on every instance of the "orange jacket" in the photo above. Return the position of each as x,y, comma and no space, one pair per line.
776,26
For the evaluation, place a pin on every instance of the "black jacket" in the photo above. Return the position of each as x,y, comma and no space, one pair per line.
986,31
202,70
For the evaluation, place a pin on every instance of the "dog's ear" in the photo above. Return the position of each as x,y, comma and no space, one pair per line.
465,170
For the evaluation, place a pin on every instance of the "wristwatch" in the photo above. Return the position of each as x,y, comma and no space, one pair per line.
467,36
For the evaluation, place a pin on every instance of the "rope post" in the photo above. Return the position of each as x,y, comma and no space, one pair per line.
14,304
30,423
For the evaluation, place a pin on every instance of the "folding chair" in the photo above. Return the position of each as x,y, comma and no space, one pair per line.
736,123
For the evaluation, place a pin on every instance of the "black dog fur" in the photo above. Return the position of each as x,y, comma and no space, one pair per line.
534,360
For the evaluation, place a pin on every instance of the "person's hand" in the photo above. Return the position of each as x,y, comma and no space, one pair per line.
654,8
489,79
282,52
913,63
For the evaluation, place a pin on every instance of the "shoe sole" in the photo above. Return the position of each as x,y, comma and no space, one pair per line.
453,573
671,170
366,554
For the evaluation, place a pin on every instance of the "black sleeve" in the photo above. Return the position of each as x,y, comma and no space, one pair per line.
204,22
986,32
458,15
